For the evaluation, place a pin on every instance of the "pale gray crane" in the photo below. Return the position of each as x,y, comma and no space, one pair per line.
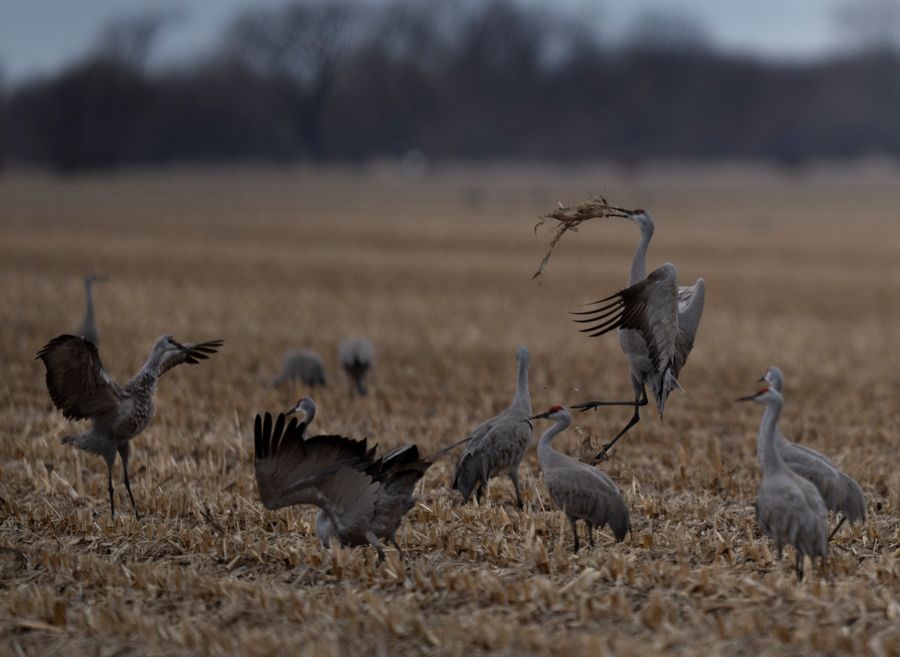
303,365
789,509
497,446
657,322
307,407
581,491
840,491
82,390
361,498
357,356
88,329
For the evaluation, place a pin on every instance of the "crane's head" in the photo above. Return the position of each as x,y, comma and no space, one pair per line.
774,378
642,218
166,344
763,396
306,406
557,412
522,353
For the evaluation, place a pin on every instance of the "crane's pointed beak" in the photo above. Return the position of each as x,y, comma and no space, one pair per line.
540,416
747,398
290,412
761,379
179,345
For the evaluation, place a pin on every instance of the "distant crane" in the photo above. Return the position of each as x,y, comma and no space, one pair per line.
357,356
361,498
581,491
657,322
88,329
82,390
789,509
498,445
303,365
839,491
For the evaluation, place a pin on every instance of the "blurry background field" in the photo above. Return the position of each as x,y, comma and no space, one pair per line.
803,272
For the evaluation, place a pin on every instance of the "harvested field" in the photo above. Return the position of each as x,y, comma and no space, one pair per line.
802,272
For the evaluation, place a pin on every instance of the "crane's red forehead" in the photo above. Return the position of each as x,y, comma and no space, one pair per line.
763,390
555,407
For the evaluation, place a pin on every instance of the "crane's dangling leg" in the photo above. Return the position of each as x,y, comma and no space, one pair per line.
124,451
837,527
574,522
641,400
799,566
590,528
393,540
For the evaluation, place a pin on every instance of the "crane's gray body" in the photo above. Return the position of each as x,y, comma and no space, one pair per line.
361,498
80,387
357,356
497,446
303,365
88,329
840,492
580,490
789,509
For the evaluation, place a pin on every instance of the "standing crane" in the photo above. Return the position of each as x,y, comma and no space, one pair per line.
839,491
88,329
657,322
581,491
357,356
82,390
361,498
789,509
304,365
497,446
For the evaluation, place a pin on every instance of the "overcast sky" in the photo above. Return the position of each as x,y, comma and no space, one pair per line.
40,35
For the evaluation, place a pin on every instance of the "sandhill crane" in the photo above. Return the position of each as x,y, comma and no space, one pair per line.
357,356
361,498
839,491
498,445
307,407
82,390
657,322
581,491
789,509
304,365
88,329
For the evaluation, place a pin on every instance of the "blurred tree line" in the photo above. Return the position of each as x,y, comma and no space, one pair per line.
345,81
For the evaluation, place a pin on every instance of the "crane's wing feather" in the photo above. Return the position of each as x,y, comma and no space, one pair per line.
649,307
193,353
690,308
291,470
76,380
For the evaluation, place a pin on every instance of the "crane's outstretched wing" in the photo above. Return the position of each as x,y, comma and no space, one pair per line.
649,307
192,354
690,308
76,380
291,470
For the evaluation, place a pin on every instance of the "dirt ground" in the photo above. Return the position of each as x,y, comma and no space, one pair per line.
802,271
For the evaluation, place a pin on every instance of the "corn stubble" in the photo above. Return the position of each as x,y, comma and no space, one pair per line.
446,297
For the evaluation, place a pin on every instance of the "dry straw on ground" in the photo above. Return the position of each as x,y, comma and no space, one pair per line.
803,273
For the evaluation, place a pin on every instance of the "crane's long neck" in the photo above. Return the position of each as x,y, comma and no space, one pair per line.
88,301
523,396
765,441
639,264
545,450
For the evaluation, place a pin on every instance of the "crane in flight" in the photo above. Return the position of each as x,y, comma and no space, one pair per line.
657,322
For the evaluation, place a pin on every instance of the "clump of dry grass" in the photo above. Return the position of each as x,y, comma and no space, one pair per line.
271,260
570,218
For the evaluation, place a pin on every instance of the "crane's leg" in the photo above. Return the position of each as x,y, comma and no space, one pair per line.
574,522
590,529
393,539
112,504
837,527
124,451
514,477
640,400
799,566
373,541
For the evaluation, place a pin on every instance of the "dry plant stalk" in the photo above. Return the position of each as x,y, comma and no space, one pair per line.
570,218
